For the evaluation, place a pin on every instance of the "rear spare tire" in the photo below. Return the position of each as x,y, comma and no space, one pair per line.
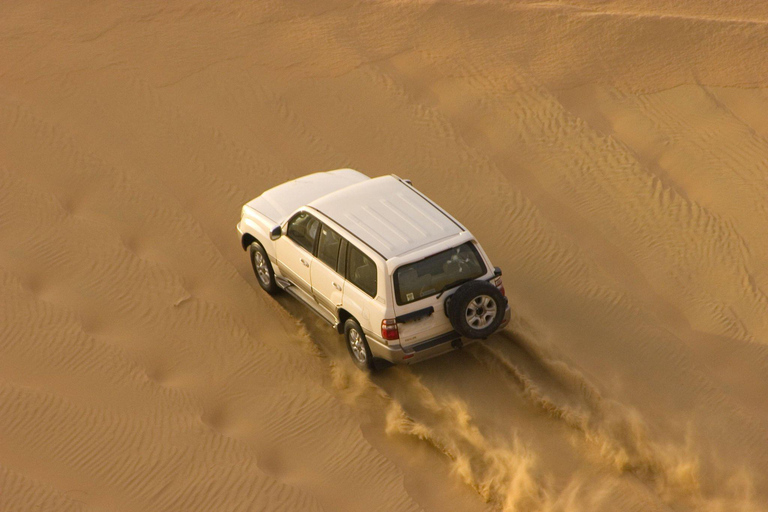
476,309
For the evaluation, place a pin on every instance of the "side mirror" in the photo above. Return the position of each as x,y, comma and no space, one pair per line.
408,182
275,233
496,271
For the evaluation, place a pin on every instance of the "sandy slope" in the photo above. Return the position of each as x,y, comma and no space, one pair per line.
612,157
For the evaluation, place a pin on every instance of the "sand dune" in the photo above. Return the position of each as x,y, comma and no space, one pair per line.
612,157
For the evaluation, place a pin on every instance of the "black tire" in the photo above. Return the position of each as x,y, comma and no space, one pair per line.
358,347
476,309
262,267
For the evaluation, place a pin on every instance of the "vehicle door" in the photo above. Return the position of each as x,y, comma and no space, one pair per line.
422,287
327,284
361,286
294,250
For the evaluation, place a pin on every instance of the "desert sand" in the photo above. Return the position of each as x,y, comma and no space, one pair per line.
611,157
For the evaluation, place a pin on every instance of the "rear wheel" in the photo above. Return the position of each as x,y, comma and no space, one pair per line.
263,268
476,309
358,345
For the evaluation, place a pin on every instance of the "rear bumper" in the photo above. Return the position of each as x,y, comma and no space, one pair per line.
423,350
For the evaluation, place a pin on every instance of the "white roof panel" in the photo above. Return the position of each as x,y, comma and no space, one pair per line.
388,215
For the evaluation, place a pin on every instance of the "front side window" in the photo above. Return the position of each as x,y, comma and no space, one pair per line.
437,273
361,270
302,229
328,246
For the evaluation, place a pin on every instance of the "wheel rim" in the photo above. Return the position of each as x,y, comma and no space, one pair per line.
481,311
261,268
357,345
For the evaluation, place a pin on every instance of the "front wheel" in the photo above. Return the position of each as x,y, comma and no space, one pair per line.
358,345
263,268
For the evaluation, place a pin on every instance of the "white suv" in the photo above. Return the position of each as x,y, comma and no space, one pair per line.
395,273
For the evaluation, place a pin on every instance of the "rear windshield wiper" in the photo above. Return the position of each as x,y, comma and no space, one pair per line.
451,285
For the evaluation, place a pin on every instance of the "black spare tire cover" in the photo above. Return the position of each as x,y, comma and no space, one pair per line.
476,309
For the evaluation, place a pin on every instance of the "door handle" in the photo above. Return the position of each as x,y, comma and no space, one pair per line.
338,287
304,262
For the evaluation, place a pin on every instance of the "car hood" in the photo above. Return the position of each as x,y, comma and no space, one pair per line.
279,202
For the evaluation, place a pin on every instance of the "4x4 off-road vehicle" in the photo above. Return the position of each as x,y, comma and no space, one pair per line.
395,273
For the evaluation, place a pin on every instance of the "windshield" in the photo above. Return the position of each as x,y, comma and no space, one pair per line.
432,275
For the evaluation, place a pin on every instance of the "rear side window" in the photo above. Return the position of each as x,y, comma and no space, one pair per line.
328,246
302,229
361,271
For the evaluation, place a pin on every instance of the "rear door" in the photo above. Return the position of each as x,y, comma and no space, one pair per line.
294,250
422,325
419,303
327,283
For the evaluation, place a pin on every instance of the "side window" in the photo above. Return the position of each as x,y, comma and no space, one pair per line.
361,271
302,229
341,267
328,246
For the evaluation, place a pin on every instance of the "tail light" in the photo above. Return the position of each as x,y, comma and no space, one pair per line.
500,285
389,329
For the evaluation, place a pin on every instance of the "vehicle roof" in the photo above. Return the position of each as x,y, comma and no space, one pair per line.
279,202
388,215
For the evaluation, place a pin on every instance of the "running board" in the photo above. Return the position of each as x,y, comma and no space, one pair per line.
282,282
299,294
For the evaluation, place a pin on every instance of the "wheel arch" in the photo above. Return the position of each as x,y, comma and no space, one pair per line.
247,240
343,315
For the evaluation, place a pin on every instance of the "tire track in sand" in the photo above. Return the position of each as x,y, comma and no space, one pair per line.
640,456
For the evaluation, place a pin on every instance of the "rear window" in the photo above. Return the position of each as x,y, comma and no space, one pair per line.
432,275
